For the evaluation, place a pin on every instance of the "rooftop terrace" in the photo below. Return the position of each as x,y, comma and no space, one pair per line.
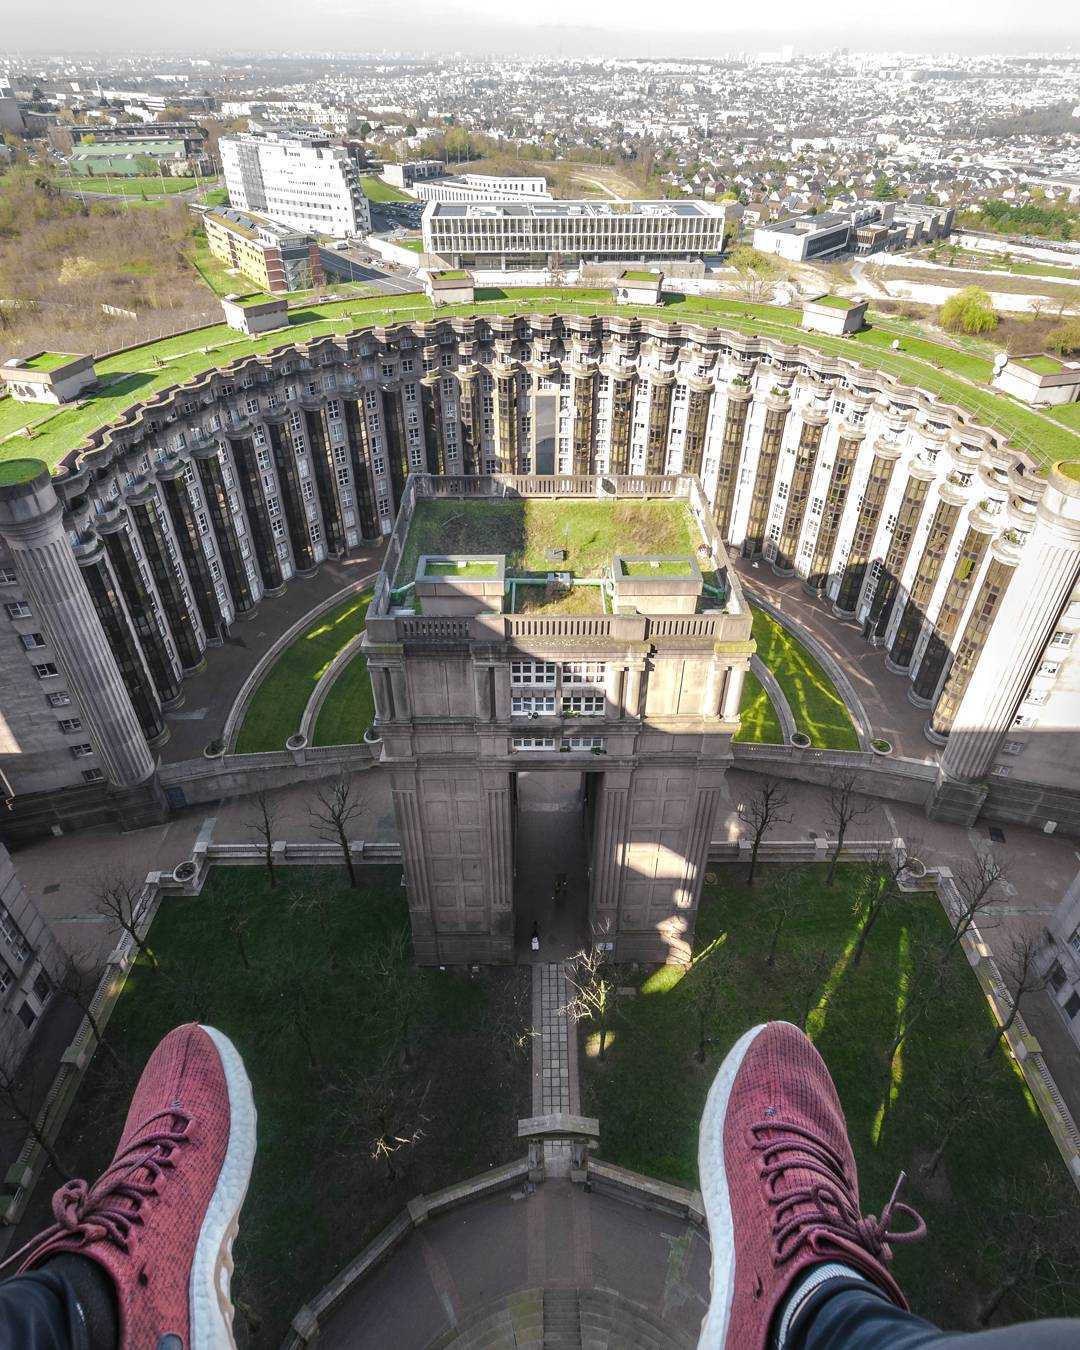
957,376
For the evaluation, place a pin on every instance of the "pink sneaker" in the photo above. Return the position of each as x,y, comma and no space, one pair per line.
162,1217
780,1188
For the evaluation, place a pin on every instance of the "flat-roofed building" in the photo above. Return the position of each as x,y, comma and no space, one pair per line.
275,256
415,171
48,377
481,187
532,234
297,177
805,237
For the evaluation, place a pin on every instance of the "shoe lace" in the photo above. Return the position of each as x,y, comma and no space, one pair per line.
811,1209
111,1207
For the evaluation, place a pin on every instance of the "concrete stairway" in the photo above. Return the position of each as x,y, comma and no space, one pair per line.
562,1320
515,1322
609,1322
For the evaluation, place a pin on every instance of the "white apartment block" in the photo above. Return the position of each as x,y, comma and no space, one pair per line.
296,178
528,234
482,187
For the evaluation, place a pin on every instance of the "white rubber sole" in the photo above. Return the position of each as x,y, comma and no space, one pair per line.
714,1193
210,1306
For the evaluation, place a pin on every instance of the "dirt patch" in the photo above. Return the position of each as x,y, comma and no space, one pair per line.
938,1187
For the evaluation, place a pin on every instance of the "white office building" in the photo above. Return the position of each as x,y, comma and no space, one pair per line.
297,178
482,187
531,234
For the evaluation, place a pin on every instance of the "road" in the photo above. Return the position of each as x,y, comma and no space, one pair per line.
356,264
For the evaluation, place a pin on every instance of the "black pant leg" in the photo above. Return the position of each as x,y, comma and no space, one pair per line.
40,1311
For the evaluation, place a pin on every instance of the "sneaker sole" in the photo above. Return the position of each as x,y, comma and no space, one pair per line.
712,1176
210,1306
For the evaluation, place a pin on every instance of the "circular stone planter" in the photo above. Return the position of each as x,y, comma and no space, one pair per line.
916,869
214,750
185,871
800,740
370,737
297,742
880,746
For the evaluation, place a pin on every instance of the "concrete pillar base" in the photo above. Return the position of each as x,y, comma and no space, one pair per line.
917,700
934,737
893,668
956,802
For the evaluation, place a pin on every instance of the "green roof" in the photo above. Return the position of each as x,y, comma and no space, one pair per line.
256,298
1042,365
641,276
45,361
19,471
657,567
833,302
1067,469
958,377
450,276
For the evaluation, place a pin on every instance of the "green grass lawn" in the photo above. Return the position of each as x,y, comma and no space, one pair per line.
760,722
274,714
921,362
377,190
212,270
218,196
591,532
309,980
132,187
15,415
817,707
413,245
349,707
460,569
649,1095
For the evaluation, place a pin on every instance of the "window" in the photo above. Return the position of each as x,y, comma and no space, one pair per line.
69,724
1037,696
533,743
584,672
1074,939
584,705
82,751
1049,668
7,577
1057,976
1062,640
532,672
46,671
1014,747
19,609
93,776
532,705
1072,1005
1002,770
12,935
31,641
584,742
58,700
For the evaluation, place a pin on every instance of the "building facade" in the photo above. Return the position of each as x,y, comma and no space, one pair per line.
528,234
481,187
31,966
276,257
296,178
1060,958
952,551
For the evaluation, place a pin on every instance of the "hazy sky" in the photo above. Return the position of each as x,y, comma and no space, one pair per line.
569,27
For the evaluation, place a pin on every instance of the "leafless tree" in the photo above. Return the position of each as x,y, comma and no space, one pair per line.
387,1109
709,982
119,897
805,968
1035,1246
508,1020
80,984
238,921
339,805
1019,968
15,1101
924,986
845,806
593,996
787,893
976,884
763,810
264,825
961,1098
388,969
878,885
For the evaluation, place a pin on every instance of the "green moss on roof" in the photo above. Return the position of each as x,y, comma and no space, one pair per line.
450,276
1068,469
14,471
49,360
1042,365
641,276
834,302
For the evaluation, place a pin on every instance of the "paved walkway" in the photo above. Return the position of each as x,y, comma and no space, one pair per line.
209,696
555,1069
883,695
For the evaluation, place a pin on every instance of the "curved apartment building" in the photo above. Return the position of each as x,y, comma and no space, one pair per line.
948,546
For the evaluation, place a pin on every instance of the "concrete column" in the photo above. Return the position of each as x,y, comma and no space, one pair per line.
632,693
502,693
31,524
733,689
609,845
482,680
399,686
380,689
411,830
1045,577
